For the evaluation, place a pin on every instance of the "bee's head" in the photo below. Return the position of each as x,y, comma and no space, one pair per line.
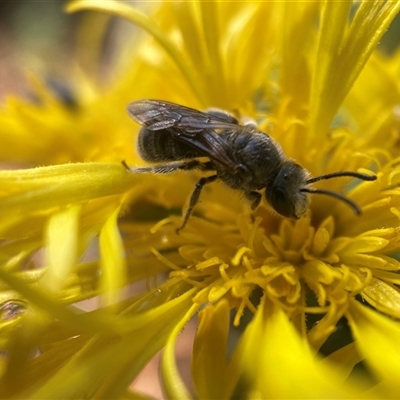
288,192
285,193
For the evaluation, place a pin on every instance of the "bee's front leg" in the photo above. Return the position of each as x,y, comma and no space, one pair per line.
254,198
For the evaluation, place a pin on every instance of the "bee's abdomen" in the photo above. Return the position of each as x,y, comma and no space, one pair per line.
155,146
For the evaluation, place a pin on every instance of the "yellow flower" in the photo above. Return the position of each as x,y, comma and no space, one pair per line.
321,293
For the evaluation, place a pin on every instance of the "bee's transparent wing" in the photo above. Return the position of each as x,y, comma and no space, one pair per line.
187,125
156,115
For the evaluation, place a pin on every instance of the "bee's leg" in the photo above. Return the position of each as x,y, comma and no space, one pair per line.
196,164
254,198
194,198
171,167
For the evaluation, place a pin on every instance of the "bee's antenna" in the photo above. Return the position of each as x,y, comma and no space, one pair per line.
338,196
351,203
364,177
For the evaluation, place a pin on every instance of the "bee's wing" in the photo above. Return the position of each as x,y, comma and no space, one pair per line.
156,115
187,125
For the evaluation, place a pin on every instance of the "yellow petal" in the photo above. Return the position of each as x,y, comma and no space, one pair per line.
342,53
61,250
131,14
209,362
292,373
38,189
112,261
106,363
377,337
173,384
344,359
383,296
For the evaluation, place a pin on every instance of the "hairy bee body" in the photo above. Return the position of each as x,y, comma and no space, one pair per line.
175,137
256,156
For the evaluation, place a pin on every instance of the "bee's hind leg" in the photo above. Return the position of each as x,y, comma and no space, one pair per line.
170,167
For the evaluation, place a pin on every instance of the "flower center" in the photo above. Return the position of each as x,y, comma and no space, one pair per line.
235,261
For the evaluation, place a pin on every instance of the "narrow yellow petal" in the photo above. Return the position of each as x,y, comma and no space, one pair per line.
342,53
333,26
377,337
42,191
298,29
209,362
265,358
173,384
61,249
112,261
102,368
344,359
91,322
383,296
211,27
124,10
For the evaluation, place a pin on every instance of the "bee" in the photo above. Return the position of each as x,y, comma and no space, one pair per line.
177,138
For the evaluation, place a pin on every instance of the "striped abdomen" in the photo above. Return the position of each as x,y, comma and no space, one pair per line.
160,145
